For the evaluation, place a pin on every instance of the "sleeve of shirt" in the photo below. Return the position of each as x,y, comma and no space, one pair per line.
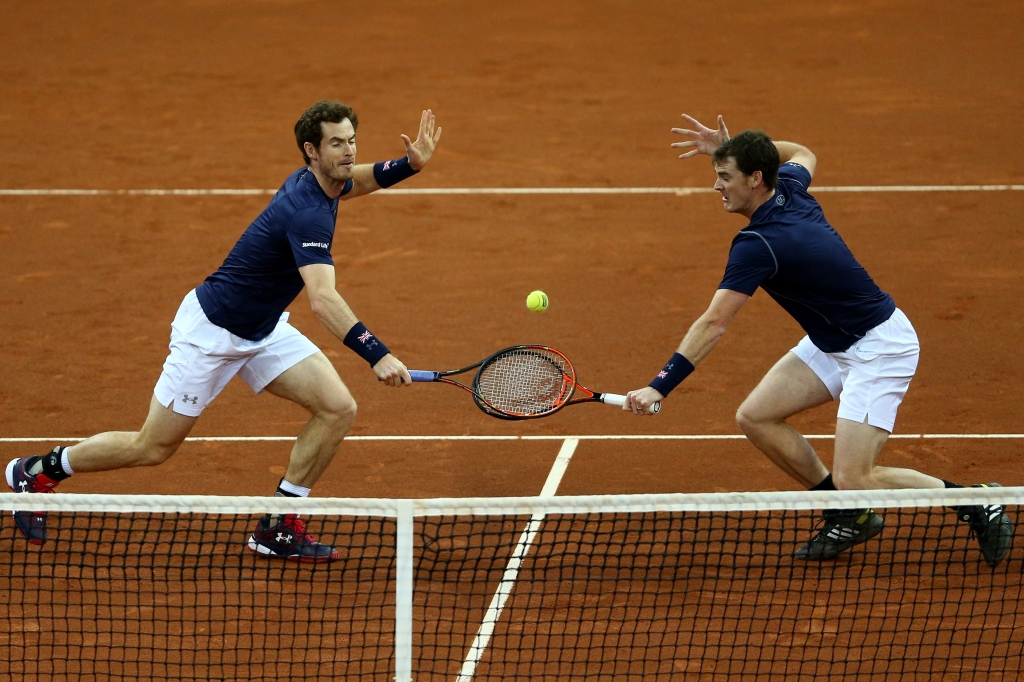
751,262
347,188
310,233
794,171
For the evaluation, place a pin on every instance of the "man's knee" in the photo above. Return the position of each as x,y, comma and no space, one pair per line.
148,454
338,407
749,418
849,479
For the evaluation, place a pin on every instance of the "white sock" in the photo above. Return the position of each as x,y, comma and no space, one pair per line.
296,490
64,463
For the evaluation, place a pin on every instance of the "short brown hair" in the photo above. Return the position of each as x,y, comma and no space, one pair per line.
753,151
307,128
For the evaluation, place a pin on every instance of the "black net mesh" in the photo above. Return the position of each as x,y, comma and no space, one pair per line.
590,596
180,597
716,596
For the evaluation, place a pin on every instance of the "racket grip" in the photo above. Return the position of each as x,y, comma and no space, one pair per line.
620,400
420,375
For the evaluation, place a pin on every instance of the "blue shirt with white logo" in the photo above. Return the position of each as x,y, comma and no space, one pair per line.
260,277
791,251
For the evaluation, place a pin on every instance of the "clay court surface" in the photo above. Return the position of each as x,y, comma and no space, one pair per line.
203,95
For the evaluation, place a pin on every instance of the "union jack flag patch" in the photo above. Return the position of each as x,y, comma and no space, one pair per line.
364,337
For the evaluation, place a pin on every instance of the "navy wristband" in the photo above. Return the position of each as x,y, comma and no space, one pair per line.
366,345
675,370
388,173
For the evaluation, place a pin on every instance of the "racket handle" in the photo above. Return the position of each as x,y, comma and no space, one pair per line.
620,400
420,375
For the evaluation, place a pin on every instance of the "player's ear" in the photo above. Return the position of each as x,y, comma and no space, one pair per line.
756,178
311,151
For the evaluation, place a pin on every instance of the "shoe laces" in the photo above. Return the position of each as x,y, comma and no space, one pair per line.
980,518
297,524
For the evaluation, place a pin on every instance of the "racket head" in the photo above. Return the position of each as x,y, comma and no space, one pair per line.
524,382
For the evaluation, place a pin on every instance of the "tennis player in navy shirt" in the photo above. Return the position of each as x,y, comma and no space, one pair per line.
235,323
859,348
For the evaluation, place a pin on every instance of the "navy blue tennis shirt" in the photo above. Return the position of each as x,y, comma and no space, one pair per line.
260,277
791,251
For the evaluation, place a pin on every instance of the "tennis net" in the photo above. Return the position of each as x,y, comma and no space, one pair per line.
667,587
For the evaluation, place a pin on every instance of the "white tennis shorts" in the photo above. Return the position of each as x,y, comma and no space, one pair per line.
204,357
871,377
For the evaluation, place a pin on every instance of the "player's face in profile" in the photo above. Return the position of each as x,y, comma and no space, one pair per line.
337,151
735,187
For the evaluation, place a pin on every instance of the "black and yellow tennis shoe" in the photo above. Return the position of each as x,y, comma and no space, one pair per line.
990,525
843,528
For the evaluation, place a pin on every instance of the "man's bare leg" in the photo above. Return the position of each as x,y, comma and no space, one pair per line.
160,437
315,384
788,388
854,464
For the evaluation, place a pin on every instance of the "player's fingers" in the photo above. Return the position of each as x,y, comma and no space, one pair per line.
437,135
404,377
688,143
689,154
685,131
692,120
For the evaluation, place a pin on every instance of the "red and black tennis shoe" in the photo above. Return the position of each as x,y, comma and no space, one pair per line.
31,524
288,539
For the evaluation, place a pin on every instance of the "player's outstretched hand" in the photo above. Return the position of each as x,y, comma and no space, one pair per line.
422,149
639,401
705,140
391,371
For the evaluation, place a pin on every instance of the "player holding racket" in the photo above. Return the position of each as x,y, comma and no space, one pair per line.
859,348
234,323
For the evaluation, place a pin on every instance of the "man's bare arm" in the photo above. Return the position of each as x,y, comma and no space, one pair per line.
701,338
790,151
418,152
327,304
331,309
709,328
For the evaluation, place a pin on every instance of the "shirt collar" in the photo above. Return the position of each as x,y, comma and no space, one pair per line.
309,177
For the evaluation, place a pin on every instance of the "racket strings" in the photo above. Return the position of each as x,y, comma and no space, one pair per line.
526,381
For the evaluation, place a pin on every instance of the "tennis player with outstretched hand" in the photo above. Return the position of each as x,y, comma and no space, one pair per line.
859,348
235,323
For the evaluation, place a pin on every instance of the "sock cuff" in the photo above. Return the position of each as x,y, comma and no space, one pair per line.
292,490
65,464
826,484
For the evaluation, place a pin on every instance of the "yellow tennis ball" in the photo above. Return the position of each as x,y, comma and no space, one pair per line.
537,301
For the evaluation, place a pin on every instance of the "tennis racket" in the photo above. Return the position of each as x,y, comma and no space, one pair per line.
524,382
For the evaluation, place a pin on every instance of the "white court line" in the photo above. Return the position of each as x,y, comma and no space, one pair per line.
677,191
697,437
483,635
